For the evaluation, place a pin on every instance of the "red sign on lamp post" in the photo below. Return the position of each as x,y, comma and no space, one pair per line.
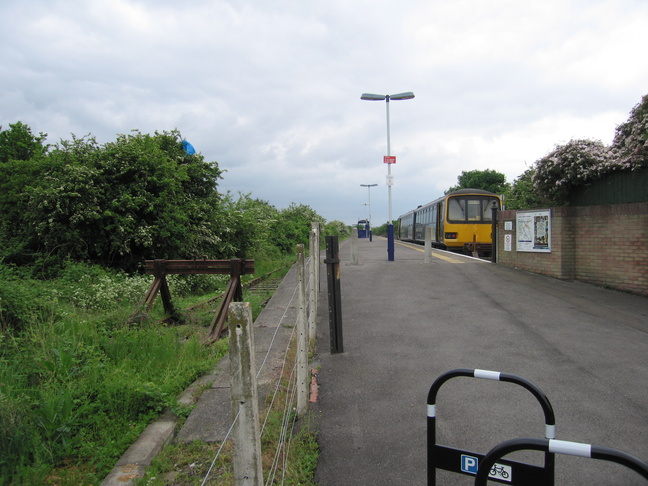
390,159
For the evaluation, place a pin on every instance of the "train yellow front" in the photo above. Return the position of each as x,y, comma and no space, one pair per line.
459,221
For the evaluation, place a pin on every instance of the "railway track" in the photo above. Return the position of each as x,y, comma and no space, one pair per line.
264,286
259,286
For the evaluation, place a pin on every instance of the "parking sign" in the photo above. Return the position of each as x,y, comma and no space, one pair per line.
469,464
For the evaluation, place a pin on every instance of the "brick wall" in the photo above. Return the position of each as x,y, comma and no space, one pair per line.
602,245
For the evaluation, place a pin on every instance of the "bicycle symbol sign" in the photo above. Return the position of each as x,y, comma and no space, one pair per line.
470,465
499,471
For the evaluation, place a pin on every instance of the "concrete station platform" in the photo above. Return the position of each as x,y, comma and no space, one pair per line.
406,322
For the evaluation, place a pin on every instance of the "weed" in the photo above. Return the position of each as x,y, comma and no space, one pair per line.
188,465
57,417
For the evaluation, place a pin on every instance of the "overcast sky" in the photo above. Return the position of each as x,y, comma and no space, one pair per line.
271,89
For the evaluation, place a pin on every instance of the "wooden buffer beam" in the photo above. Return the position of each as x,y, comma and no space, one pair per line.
234,292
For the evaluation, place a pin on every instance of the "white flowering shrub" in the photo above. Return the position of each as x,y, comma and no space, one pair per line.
630,144
569,165
103,291
183,285
97,292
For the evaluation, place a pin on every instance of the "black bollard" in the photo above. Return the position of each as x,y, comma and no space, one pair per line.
334,295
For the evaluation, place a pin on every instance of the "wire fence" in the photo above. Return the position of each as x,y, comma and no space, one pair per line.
286,384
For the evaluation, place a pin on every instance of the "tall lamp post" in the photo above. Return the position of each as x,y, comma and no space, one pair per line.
365,205
369,186
390,225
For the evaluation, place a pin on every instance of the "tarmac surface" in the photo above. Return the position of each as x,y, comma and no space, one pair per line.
405,323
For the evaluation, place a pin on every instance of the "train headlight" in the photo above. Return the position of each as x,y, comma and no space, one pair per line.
451,236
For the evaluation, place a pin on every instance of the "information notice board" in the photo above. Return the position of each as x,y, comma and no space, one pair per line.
534,230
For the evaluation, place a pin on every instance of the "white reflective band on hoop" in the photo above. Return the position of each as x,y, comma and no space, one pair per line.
571,448
431,410
550,431
487,375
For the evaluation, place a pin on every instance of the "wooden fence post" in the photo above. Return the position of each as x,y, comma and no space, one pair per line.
319,256
303,383
313,288
245,404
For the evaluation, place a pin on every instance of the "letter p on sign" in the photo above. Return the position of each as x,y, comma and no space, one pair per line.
469,464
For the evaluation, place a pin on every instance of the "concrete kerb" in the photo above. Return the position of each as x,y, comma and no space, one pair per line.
211,417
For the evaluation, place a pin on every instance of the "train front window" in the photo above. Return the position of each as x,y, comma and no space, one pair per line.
474,210
487,204
470,209
456,209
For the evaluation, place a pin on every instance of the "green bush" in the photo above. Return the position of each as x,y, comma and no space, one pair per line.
14,305
20,303
17,439
117,204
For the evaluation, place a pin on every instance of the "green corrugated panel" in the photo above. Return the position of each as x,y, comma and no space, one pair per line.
615,188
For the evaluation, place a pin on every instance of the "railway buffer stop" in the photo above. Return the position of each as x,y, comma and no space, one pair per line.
161,268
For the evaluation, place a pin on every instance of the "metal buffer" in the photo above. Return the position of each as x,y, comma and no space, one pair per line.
234,292
468,462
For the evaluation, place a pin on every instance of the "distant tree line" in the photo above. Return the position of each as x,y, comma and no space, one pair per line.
139,197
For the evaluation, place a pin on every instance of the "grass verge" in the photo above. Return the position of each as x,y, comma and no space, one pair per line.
288,443
78,382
